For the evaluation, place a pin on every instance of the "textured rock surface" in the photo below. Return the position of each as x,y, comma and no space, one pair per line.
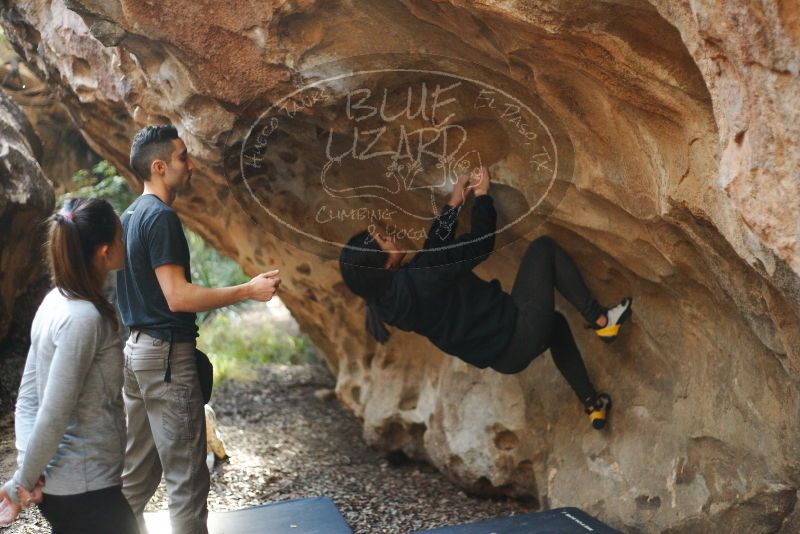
684,121
26,198
63,149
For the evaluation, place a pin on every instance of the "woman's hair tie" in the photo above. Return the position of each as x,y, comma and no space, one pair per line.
61,216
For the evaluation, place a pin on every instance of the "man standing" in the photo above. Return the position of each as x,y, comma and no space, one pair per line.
157,301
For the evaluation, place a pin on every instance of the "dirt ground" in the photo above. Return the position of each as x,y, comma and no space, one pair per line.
285,443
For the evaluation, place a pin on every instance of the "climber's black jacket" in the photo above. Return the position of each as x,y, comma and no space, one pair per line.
437,295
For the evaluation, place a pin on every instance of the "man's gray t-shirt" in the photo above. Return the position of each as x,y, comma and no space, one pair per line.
153,236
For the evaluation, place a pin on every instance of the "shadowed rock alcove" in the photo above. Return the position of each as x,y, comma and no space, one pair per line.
680,189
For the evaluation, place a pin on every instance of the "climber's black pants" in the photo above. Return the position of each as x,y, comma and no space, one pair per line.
545,267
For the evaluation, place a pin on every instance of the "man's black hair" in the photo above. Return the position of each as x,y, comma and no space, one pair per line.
151,143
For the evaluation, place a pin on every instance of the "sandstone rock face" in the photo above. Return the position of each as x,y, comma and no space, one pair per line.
62,148
670,132
26,198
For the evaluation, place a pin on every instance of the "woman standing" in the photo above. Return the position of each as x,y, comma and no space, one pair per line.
69,419
437,295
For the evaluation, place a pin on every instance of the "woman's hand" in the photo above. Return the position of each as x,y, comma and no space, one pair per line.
8,510
27,498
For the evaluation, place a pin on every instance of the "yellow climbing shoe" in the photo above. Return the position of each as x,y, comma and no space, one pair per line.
614,318
598,412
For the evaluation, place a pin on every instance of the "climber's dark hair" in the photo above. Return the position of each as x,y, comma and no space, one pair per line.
362,264
75,233
149,144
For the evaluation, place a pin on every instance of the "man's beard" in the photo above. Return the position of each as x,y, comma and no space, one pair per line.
181,189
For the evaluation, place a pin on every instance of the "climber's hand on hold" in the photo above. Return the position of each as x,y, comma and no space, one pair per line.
479,181
460,191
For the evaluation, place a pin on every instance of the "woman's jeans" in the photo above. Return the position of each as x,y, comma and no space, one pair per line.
545,267
102,511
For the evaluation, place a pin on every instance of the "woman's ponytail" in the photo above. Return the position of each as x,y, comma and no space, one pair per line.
75,234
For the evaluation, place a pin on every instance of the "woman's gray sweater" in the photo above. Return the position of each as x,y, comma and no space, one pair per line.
69,419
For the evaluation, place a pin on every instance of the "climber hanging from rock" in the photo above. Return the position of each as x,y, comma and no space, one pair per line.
436,294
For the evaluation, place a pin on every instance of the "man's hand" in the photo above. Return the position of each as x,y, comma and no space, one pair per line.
8,510
264,286
479,181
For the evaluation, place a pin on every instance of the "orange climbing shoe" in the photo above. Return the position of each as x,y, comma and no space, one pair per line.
614,318
598,413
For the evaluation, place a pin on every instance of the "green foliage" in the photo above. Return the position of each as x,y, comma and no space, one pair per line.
101,181
211,269
237,342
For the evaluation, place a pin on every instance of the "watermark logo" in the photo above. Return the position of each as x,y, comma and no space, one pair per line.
384,142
